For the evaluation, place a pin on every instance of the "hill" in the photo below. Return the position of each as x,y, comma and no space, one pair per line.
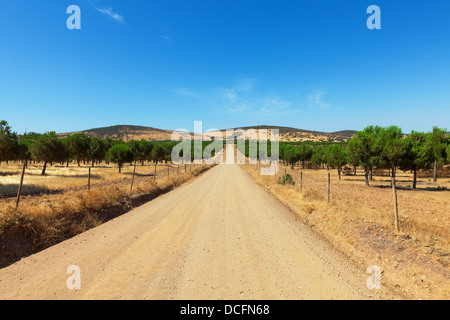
287,134
127,132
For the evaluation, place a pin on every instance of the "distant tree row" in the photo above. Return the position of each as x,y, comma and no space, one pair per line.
48,148
374,147
377,147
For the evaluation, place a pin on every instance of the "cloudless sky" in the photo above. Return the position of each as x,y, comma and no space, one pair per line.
229,63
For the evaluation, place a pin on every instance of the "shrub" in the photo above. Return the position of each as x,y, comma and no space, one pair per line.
287,179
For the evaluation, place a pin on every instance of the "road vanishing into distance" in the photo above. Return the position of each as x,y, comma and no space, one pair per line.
219,237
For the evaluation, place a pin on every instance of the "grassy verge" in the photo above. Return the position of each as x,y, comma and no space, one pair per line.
414,261
43,221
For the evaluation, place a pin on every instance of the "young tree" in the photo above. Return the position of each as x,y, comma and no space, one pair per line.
158,153
78,144
364,149
120,154
318,156
97,150
448,153
147,147
415,154
337,157
24,145
389,142
291,155
436,141
48,148
8,142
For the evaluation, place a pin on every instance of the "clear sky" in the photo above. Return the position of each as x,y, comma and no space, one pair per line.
229,63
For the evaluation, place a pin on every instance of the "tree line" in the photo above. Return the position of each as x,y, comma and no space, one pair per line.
377,147
374,147
49,148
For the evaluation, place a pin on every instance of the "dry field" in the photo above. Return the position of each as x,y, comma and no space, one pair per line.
60,178
359,221
59,206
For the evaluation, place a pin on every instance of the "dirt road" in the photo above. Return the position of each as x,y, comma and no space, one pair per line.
219,237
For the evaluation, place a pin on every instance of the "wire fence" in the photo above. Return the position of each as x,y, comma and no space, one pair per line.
62,178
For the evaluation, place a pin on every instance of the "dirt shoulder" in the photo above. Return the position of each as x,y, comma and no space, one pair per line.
359,222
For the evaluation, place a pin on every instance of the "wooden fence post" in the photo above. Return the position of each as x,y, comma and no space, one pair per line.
89,179
301,180
329,186
132,178
19,191
394,190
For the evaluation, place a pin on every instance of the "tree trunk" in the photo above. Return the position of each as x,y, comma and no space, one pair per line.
120,167
415,179
366,177
43,169
354,170
339,172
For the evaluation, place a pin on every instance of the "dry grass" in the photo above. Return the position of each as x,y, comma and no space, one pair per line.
60,178
46,219
359,222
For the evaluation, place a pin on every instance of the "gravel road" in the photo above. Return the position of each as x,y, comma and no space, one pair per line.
218,237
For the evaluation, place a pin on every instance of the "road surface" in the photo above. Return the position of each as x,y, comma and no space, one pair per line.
218,237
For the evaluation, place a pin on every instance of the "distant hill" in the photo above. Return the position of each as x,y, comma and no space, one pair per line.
289,134
129,132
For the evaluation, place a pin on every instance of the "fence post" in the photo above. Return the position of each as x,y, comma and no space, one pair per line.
132,178
19,191
89,179
394,191
301,180
329,187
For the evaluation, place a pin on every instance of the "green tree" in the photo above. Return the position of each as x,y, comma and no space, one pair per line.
436,142
8,142
291,155
390,146
120,154
364,149
78,145
97,150
448,153
158,153
415,154
48,148
337,157
24,145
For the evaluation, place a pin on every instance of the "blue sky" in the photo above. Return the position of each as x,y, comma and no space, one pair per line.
229,63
